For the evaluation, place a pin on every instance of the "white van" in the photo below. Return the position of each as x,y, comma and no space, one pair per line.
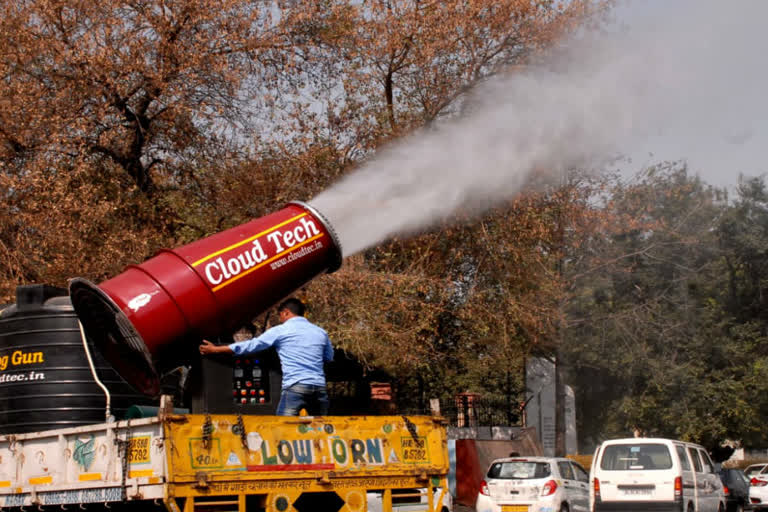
651,474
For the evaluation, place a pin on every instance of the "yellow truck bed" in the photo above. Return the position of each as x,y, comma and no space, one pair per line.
233,463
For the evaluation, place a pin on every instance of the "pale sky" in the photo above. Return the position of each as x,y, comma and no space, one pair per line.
725,130
685,81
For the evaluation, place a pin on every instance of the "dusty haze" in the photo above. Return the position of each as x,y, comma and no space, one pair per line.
686,80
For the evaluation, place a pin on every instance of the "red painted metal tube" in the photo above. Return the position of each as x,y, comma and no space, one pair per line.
141,319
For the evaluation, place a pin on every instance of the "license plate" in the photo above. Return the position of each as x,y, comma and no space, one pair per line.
514,508
637,492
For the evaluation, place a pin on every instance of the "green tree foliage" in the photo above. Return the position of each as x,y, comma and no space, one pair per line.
741,302
663,337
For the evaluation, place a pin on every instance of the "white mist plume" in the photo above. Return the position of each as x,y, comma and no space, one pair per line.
690,81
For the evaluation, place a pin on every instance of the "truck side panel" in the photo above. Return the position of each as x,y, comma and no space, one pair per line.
90,464
272,447
232,462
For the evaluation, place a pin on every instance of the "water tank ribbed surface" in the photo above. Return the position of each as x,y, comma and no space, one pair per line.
45,380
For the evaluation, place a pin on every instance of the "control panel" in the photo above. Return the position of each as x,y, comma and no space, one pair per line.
226,384
250,382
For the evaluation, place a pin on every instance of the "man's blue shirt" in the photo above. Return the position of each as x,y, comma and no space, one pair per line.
302,346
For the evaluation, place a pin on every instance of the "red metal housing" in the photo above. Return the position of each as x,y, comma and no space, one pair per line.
203,289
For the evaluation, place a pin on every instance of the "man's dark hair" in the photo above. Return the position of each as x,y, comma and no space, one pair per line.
293,305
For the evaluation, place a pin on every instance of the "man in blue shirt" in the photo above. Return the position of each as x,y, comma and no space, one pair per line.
303,348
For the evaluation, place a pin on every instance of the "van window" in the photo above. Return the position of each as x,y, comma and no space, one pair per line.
708,467
695,459
684,462
626,457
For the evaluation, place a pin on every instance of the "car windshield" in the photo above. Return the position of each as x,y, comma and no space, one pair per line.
519,470
753,470
627,457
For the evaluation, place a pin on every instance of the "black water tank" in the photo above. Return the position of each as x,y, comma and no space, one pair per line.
45,380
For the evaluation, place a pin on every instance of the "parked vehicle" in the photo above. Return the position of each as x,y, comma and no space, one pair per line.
758,486
736,489
757,469
653,474
219,462
534,484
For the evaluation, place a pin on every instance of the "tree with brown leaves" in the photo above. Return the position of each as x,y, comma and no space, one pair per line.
111,113
128,125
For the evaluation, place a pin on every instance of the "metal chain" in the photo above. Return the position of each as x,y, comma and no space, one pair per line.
241,429
123,449
411,426
207,431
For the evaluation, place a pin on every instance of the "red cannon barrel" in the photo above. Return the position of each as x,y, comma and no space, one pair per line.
203,289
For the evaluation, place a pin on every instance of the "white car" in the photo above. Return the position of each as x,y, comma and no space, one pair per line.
757,469
644,474
534,484
758,485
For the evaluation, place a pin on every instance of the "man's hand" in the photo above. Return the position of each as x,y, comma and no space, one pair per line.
206,347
